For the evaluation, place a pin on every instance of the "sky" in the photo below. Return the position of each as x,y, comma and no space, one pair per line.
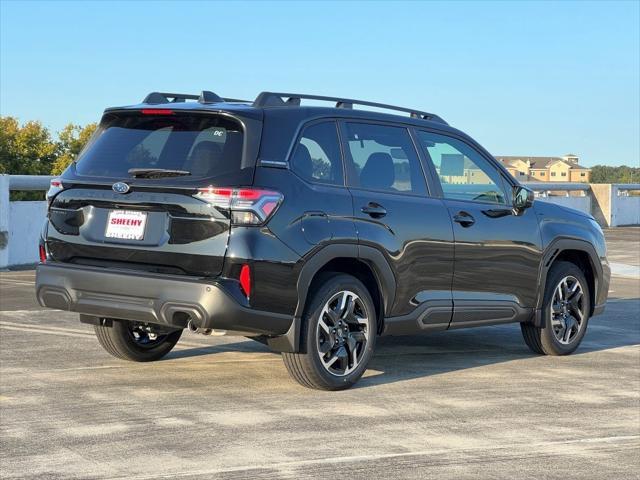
535,79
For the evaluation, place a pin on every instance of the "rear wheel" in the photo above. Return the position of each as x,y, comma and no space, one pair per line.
338,335
565,312
136,341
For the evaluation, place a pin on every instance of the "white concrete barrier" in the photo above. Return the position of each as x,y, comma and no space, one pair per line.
21,221
625,207
616,205
25,220
579,203
572,195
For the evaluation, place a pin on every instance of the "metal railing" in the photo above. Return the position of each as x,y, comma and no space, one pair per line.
29,182
550,189
623,189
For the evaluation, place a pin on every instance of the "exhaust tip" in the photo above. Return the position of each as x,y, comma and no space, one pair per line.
193,328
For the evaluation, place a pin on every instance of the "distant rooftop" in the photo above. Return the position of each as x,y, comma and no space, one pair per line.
542,162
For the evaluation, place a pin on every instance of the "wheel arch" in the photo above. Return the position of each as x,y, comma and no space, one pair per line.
580,253
365,263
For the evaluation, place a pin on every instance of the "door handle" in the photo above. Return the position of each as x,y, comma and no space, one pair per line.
374,210
464,219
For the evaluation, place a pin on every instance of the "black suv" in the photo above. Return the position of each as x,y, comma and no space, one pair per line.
311,229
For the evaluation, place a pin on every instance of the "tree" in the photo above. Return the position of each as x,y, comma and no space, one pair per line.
72,140
27,149
607,174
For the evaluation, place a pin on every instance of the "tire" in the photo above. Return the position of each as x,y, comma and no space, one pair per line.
560,335
120,340
348,334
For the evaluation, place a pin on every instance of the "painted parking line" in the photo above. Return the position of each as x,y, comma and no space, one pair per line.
11,282
69,332
624,270
44,327
626,442
46,332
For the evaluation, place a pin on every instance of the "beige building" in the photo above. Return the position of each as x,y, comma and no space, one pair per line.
546,169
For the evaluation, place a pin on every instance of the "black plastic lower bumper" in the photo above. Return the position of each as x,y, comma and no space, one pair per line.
165,300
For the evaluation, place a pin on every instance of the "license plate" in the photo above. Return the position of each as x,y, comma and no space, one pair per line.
126,224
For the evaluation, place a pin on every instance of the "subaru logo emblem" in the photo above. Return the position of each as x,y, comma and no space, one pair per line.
120,187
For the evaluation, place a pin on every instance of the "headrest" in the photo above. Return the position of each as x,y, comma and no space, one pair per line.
378,173
302,161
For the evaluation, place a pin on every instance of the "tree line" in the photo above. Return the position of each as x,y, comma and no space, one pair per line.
31,149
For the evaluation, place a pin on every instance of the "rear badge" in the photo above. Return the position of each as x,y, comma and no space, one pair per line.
120,187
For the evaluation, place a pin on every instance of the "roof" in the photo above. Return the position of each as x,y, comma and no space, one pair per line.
539,163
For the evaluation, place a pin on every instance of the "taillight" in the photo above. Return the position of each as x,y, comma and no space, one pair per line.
248,206
245,280
55,187
43,253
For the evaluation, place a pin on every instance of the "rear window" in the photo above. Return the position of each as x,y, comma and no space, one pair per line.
204,145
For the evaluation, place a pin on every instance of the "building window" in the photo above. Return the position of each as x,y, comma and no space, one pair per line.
542,174
553,174
564,174
582,174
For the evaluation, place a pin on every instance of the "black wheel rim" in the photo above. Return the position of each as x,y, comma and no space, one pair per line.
145,336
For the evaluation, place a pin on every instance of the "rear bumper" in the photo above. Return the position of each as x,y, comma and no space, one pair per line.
165,300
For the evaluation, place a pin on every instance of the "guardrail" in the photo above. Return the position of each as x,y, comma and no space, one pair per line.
624,189
612,205
573,195
547,189
21,222
29,182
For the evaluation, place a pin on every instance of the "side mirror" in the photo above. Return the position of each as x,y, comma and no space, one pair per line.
522,197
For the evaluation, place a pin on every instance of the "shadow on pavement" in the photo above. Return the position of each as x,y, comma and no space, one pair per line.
405,358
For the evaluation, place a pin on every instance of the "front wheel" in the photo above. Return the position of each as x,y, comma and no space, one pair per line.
136,341
565,312
338,335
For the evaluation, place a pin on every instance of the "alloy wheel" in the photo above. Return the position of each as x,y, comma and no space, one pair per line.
568,310
342,333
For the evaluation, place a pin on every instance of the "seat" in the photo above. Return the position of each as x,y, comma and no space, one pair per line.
378,173
204,159
302,162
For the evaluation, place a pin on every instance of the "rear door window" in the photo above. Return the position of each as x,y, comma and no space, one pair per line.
383,158
204,145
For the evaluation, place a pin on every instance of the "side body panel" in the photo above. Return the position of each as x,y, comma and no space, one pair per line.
497,261
563,229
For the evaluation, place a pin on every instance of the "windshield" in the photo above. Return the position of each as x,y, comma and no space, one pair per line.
203,145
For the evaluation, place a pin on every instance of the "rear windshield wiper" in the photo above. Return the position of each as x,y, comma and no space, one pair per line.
156,172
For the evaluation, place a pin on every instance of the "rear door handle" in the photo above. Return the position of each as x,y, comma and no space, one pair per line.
464,219
374,210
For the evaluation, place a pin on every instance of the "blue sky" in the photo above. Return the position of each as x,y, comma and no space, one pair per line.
522,78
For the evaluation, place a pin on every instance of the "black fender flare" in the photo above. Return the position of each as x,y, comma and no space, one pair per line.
290,342
369,255
552,251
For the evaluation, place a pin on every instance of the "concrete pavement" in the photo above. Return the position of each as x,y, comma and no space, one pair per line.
462,404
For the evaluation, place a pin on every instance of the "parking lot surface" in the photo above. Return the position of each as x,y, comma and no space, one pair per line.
462,404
